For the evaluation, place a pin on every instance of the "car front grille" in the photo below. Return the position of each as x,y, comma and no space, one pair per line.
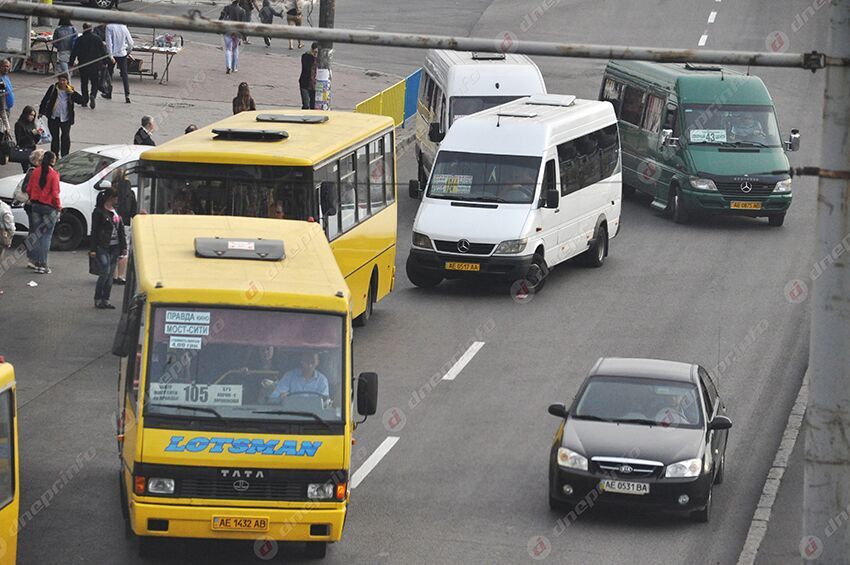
617,467
474,248
255,490
733,189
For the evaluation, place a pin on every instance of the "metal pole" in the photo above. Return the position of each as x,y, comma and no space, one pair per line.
195,22
327,9
826,497
44,20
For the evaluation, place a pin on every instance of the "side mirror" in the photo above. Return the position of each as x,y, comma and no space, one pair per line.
329,197
367,394
793,143
559,410
553,197
434,133
720,423
414,189
128,328
103,184
667,139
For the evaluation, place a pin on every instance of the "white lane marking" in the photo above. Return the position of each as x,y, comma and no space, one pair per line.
373,460
703,39
761,517
711,17
463,361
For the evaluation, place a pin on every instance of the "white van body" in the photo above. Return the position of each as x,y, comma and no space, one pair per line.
485,208
459,83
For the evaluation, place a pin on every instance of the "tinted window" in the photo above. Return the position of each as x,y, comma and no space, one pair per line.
654,111
330,222
609,146
484,178
347,194
362,185
80,166
549,180
709,405
568,164
427,91
461,106
7,449
728,123
590,167
389,163
612,92
376,174
632,108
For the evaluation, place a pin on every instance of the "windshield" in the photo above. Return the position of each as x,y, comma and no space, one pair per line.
465,105
245,364
230,190
484,178
641,401
731,125
80,166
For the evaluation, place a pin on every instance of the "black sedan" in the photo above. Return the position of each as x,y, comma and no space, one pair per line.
640,432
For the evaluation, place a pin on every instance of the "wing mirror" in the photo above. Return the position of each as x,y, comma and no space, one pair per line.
414,189
434,133
367,394
667,139
720,423
559,410
793,143
553,197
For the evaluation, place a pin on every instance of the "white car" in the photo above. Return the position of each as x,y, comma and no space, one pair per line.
80,174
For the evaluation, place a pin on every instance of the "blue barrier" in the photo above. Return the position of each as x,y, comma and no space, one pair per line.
411,94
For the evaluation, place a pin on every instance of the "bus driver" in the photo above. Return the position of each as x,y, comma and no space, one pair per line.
303,379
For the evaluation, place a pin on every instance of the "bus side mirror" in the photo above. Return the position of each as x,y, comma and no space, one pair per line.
552,198
793,143
414,189
667,139
329,197
367,394
434,133
128,327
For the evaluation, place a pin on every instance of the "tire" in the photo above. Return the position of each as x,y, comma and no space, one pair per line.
68,233
595,254
316,549
677,209
420,279
536,275
703,515
364,318
721,468
125,512
421,173
776,220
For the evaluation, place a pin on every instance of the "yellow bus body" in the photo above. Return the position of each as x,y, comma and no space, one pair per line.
9,472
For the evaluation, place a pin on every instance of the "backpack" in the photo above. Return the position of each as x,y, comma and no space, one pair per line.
20,194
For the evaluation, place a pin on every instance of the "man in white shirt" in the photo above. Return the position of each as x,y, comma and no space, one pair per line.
118,45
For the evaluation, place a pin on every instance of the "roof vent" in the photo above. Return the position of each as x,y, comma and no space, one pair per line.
487,56
562,100
239,248
228,134
692,67
292,118
516,114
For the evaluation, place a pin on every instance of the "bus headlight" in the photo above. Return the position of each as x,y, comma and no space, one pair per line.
158,485
320,491
421,240
703,184
783,186
511,247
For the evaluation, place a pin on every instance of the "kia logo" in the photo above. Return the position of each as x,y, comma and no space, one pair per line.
626,469
746,187
463,245
241,485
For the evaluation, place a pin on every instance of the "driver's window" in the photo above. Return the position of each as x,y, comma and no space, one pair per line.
709,407
549,177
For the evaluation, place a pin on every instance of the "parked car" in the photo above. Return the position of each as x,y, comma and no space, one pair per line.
103,4
641,432
80,175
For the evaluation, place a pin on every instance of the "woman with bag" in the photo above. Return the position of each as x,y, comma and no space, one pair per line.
294,17
58,106
108,243
27,136
128,207
43,191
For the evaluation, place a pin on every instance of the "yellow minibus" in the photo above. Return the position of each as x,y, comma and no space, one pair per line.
9,487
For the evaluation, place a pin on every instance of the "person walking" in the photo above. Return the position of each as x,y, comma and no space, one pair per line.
58,106
307,80
64,38
143,134
266,15
90,53
127,207
232,13
27,134
7,101
294,17
35,161
119,44
108,243
43,190
243,101
248,7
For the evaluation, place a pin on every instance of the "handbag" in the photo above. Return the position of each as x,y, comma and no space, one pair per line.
94,265
44,129
20,154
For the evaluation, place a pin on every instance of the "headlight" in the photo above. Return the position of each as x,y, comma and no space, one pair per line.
683,469
160,486
783,186
421,240
571,460
320,491
511,247
703,184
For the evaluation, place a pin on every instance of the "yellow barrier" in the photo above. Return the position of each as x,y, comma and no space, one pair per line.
389,102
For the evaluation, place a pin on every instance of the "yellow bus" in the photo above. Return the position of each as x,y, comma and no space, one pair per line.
9,487
235,388
334,168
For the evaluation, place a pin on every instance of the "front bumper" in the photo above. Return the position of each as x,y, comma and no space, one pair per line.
492,266
711,202
285,524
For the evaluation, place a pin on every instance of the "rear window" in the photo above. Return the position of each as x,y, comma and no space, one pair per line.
80,166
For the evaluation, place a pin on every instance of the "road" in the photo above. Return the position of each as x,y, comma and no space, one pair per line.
466,480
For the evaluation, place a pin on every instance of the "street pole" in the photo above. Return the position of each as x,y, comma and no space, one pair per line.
826,497
323,74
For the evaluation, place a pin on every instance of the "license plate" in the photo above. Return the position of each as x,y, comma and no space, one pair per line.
624,487
240,524
746,205
456,266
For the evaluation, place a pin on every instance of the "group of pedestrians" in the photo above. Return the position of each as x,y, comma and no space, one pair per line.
241,11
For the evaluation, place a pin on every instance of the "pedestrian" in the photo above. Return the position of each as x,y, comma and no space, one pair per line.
58,106
119,44
108,244
294,17
128,207
7,101
243,101
27,134
90,53
232,13
35,161
267,14
307,80
248,6
143,134
64,38
43,190
7,230
190,128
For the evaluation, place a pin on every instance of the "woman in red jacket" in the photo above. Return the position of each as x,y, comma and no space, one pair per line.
43,190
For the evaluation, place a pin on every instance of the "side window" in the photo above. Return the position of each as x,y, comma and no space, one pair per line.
134,365
347,195
568,164
590,169
376,174
329,221
608,149
439,106
7,448
427,91
389,170
670,119
362,185
654,111
549,178
709,405
632,108
709,384
612,92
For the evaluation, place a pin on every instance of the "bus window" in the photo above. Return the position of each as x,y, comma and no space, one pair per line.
329,221
632,110
389,163
347,197
7,449
654,110
569,167
608,150
362,185
612,92
376,174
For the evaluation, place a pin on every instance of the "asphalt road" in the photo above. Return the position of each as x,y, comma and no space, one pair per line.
466,480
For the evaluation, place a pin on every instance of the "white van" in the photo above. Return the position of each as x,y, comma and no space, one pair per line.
517,189
458,83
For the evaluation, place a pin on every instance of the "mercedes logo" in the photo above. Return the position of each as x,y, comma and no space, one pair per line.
463,245
626,469
241,485
746,186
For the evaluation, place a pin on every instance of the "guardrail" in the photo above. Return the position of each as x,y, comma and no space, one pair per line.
397,102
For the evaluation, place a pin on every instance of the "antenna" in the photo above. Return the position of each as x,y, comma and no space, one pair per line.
498,119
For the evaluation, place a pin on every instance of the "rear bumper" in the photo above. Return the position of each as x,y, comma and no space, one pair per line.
494,266
182,521
716,203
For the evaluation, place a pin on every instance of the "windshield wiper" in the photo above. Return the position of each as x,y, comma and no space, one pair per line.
749,144
315,417
206,409
592,417
639,421
486,199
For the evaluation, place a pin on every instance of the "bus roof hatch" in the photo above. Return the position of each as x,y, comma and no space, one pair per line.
242,248
231,134
292,118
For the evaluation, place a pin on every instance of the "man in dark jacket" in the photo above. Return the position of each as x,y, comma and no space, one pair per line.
143,134
58,106
90,52
307,80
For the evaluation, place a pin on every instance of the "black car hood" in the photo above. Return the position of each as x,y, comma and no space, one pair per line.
631,441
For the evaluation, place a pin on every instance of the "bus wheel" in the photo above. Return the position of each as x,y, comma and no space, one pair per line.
364,318
316,549
536,276
595,254
677,208
776,220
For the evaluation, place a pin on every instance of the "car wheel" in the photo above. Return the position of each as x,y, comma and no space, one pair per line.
316,549
422,173
68,233
595,254
721,468
677,208
536,275
364,318
422,279
704,514
776,220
